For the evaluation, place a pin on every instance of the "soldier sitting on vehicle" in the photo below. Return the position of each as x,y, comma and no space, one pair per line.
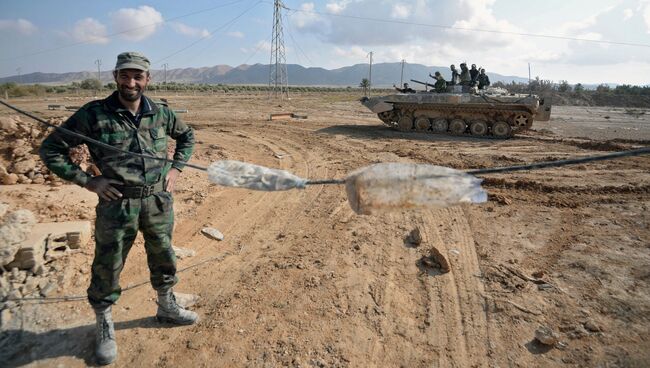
441,85
406,88
474,74
465,77
483,80
455,77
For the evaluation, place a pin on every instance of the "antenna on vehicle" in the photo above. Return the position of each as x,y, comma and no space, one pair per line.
530,87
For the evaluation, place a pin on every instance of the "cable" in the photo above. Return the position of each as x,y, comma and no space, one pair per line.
531,166
75,298
544,164
119,33
101,144
470,29
227,24
295,42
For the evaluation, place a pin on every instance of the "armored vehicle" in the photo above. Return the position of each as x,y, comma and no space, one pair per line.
461,110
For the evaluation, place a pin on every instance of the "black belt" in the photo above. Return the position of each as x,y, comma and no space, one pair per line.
140,191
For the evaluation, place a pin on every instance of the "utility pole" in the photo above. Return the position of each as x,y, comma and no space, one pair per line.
401,78
278,76
370,72
99,71
165,80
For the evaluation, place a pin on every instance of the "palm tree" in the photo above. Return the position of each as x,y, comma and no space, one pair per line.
365,84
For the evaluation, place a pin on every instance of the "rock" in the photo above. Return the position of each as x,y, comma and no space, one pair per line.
212,233
24,166
39,270
5,318
415,237
48,289
21,151
38,179
546,336
183,252
3,170
591,326
8,125
9,179
22,179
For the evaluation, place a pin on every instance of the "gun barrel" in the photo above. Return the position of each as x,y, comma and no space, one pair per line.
423,83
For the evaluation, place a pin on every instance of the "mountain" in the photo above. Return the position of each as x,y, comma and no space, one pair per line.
383,75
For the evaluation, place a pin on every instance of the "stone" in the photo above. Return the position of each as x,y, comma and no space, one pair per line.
9,179
21,151
24,166
48,289
22,179
8,125
591,326
183,252
3,170
5,319
212,233
415,237
38,179
546,336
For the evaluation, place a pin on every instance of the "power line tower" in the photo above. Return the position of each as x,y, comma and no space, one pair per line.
278,78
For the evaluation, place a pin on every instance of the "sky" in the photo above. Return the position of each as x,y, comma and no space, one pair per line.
587,42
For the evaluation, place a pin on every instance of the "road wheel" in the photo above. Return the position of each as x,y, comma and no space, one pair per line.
422,123
501,129
457,126
439,125
478,128
405,123
523,120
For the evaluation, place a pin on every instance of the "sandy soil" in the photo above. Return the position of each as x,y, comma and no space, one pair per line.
302,281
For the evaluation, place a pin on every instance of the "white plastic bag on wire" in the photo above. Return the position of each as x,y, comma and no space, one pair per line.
239,174
401,186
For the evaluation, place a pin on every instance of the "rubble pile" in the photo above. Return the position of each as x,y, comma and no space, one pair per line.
28,251
25,166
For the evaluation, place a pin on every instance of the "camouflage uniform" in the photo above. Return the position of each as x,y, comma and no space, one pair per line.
145,206
441,85
465,76
483,80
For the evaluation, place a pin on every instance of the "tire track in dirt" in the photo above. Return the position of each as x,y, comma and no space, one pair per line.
456,297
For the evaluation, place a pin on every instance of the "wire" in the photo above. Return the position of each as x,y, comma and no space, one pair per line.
119,33
531,166
471,29
294,40
101,144
74,298
544,164
227,24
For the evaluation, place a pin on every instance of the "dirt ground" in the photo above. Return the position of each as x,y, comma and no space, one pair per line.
301,281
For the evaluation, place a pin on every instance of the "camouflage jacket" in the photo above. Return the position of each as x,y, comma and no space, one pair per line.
108,121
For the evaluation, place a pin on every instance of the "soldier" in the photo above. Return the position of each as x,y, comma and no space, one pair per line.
455,77
406,89
483,80
134,193
465,77
441,85
473,72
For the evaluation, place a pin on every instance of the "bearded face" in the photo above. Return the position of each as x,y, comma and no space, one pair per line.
131,83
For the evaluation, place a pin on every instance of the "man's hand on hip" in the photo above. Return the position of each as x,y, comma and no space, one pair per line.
170,179
102,186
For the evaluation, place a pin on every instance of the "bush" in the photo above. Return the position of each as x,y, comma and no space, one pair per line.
91,83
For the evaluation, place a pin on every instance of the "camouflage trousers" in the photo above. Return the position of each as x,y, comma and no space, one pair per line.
116,227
